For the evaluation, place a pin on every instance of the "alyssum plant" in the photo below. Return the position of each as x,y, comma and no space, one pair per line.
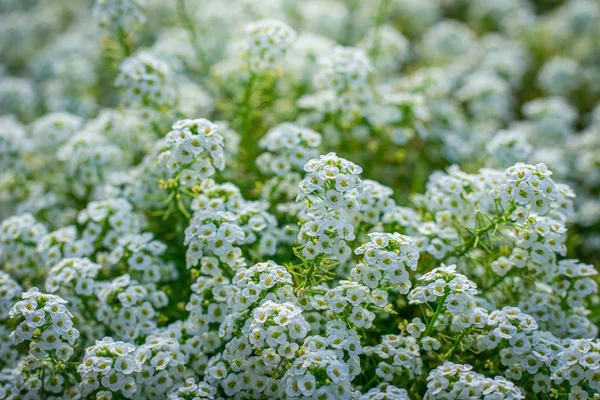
373,204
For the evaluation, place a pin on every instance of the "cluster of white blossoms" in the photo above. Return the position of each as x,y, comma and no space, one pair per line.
19,236
54,129
146,81
211,240
328,190
266,44
140,255
105,222
194,151
344,75
456,381
109,369
46,325
73,277
387,260
283,199
289,148
529,188
129,309
262,281
119,16
88,158
452,292
374,200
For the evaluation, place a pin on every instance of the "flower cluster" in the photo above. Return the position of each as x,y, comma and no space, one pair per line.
146,81
119,16
46,325
387,258
289,148
283,199
454,293
528,188
109,368
195,151
212,239
73,277
140,255
456,381
19,237
129,309
344,75
266,44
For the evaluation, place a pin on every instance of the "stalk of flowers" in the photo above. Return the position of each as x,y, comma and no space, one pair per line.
344,74
400,117
88,158
389,393
327,191
457,381
10,292
213,239
387,258
37,379
104,222
133,130
75,280
53,130
260,230
262,349
120,17
561,305
522,351
163,366
288,147
208,306
326,364
577,370
375,200
266,44
141,256
194,151
197,348
387,48
19,237
262,288
191,390
147,82
63,243
130,310
452,293
401,354
538,242
46,325
256,284
12,144
218,197
261,53
109,368
258,224
139,184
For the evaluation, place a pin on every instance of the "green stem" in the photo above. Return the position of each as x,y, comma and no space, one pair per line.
122,36
187,22
430,324
248,145
379,19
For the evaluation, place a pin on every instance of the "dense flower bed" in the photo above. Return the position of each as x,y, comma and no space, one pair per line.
278,199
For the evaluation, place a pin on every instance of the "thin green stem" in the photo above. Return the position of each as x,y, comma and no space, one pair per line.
187,22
